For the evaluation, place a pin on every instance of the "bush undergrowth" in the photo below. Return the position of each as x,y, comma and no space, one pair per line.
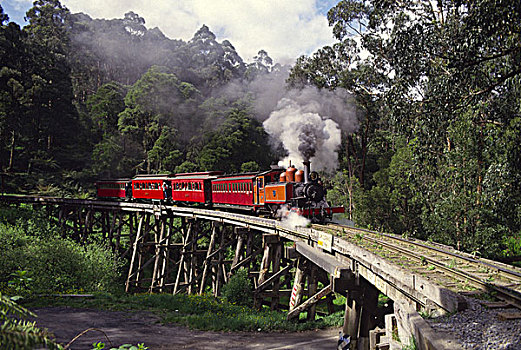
51,263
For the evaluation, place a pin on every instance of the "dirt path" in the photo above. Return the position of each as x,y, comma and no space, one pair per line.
140,327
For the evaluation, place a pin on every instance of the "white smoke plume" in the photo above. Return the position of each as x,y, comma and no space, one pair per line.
308,122
291,219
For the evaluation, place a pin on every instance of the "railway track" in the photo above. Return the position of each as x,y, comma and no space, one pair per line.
454,270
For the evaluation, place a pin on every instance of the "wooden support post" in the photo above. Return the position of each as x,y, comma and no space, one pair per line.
110,234
104,224
265,265
140,257
118,235
298,285
275,261
250,251
166,255
313,285
207,261
219,267
352,317
193,261
182,265
158,238
238,250
368,317
134,252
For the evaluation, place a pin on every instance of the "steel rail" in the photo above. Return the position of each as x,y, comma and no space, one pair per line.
516,275
512,296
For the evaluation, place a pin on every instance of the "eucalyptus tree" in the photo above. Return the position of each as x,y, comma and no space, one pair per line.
452,71
240,143
13,89
54,119
159,105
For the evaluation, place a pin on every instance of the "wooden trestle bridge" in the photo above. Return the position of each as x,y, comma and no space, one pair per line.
185,249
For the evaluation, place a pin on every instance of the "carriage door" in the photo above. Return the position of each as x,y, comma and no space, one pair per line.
260,190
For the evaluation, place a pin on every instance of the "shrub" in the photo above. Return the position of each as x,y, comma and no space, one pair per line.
55,264
238,289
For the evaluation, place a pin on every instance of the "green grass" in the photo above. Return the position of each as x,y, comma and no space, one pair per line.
198,312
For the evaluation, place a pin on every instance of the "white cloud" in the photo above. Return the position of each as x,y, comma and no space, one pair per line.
286,29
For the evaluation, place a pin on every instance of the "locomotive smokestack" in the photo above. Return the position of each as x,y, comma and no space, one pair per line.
307,170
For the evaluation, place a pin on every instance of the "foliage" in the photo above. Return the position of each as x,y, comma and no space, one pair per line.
238,289
134,100
438,86
241,139
53,264
100,346
17,333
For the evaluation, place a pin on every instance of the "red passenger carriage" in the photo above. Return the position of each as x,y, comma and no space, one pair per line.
233,190
193,187
118,188
151,187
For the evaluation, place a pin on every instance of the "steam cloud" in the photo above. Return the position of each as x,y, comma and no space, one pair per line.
308,122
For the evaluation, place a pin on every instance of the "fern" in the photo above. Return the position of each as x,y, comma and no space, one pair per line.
17,333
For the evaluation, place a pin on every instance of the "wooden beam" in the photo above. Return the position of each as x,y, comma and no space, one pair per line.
309,302
313,285
323,260
298,284
273,278
134,252
246,260
206,264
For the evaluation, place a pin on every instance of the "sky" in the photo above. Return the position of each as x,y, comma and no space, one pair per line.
285,29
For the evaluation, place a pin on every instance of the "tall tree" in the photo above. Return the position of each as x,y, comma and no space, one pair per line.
238,142
54,118
13,92
153,103
452,93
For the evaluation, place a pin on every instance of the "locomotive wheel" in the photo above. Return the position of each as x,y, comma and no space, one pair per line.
274,209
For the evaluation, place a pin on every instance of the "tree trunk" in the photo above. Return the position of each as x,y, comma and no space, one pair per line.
11,153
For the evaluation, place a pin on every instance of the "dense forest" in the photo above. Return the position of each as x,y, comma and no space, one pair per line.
424,99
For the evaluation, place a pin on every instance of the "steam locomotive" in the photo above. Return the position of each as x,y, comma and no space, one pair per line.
270,192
